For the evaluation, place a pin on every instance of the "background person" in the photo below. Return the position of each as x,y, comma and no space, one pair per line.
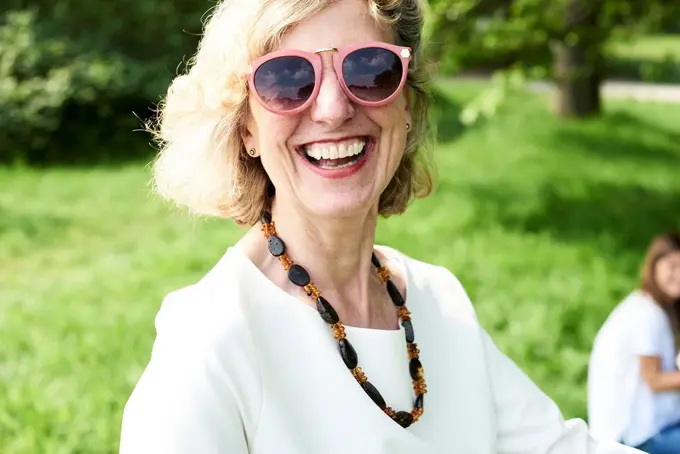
634,383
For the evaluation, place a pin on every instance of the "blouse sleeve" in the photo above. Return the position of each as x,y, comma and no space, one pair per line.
528,421
183,403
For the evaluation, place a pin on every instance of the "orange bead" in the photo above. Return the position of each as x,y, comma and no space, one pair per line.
412,351
359,375
338,331
384,274
403,313
312,291
286,262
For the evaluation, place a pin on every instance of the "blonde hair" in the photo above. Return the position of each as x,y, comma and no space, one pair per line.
202,163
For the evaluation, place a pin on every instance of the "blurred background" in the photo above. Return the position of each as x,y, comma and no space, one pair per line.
558,149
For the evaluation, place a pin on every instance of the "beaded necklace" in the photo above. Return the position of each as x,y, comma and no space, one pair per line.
299,276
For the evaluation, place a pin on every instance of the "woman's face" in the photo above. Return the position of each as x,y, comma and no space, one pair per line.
337,187
667,274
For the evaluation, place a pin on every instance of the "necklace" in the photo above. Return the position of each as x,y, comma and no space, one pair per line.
299,276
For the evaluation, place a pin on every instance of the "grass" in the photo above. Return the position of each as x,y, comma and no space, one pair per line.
545,223
647,47
646,58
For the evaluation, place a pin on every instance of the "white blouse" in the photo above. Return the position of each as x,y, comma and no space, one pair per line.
240,366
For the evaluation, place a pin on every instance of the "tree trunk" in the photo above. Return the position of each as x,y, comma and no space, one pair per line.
578,61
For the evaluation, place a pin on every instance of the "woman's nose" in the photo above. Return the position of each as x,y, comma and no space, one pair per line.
332,106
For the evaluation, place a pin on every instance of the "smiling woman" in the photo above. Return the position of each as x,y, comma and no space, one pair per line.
305,121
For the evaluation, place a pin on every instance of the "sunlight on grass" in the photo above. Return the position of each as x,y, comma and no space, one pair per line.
543,221
647,47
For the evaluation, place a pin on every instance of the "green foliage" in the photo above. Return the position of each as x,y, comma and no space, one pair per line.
66,61
545,223
495,34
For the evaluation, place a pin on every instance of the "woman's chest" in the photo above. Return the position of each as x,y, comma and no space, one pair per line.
311,402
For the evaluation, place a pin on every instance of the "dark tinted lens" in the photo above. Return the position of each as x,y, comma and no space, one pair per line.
285,83
372,74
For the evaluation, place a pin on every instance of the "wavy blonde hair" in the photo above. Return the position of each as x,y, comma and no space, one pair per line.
202,163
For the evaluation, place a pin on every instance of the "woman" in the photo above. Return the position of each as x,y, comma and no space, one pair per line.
634,384
305,119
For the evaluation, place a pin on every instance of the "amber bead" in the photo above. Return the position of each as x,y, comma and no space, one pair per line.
374,394
419,402
397,299
384,274
349,355
298,275
413,351
408,330
276,246
419,386
359,375
416,369
404,419
326,311
268,230
338,331
312,290
403,313
286,262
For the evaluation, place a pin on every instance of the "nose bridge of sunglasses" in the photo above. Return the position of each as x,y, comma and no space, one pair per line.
325,49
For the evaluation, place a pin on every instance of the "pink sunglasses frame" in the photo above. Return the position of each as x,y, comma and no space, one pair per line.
339,55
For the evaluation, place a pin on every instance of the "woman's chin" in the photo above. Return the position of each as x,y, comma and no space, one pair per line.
339,205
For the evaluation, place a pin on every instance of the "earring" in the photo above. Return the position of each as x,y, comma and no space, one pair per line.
252,152
408,126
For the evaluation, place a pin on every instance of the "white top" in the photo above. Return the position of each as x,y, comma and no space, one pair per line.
240,366
621,405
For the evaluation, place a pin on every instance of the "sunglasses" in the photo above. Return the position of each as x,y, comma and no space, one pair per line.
287,82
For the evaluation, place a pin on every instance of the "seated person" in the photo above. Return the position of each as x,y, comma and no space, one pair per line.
634,383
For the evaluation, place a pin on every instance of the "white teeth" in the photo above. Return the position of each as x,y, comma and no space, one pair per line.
335,150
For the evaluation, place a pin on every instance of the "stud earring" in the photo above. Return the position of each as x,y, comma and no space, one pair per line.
252,152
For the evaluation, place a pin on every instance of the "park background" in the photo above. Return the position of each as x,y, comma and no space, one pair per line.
558,150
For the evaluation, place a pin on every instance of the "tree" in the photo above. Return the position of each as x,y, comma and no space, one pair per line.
561,39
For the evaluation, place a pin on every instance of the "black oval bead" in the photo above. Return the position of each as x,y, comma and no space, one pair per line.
415,368
349,355
298,275
408,331
397,299
403,418
326,311
266,218
375,260
419,402
276,246
374,394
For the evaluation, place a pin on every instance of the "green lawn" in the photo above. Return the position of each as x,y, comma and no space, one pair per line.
647,47
544,222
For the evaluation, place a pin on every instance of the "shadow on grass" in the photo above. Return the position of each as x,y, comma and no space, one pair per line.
663,71
628,215
626,138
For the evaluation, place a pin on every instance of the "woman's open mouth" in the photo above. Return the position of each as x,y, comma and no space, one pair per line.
335,155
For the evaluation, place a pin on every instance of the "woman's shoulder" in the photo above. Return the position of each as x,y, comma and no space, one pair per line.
209,310
437,283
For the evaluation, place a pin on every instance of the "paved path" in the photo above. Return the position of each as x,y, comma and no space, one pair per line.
631,90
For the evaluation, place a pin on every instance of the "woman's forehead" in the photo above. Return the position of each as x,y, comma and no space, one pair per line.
338,25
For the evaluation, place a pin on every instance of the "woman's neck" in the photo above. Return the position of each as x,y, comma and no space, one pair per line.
337,254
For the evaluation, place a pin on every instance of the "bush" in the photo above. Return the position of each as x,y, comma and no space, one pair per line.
73,74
